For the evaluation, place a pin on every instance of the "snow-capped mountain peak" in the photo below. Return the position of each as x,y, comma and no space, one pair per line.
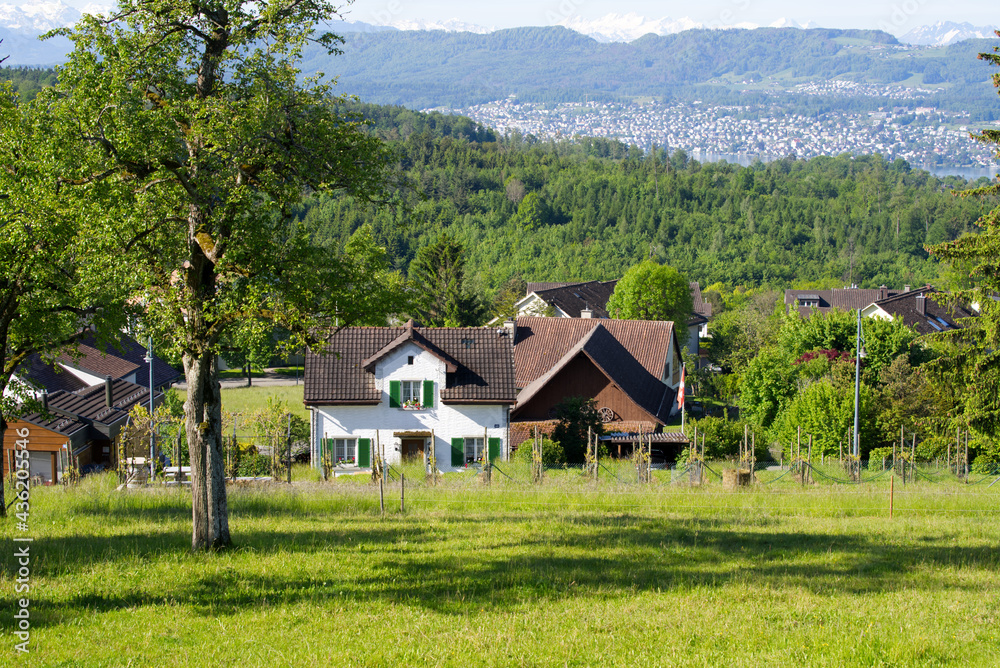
944,33
37,16
627,27
450,25
791,23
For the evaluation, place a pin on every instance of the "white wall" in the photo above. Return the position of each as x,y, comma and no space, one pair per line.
380,423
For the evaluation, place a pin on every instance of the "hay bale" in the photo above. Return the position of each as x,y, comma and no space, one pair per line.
734,478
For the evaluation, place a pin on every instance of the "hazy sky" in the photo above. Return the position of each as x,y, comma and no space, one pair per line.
896,16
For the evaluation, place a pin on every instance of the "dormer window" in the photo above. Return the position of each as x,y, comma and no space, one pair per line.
810,301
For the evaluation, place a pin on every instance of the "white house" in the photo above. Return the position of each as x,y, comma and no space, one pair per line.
437,394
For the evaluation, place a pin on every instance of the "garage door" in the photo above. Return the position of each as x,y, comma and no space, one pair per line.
41,465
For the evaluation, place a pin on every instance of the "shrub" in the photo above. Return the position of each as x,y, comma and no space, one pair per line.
723,438
552,453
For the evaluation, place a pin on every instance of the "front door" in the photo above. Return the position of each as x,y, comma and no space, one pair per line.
413,448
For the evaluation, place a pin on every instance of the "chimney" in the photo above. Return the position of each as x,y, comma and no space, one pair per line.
108,397
586,313
45,401
921,305
883,292
906,288
511,328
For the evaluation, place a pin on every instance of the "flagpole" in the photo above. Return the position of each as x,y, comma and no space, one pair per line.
680,396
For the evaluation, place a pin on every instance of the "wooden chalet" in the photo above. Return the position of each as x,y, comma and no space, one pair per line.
630,368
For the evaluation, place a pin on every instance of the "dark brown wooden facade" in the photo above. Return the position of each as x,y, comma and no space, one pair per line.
581,378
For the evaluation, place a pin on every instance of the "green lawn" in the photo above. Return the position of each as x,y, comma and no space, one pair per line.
515,575
249,399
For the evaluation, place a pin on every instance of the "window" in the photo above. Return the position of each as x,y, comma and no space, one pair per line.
473,450
409,359
409,392
345,450
414,395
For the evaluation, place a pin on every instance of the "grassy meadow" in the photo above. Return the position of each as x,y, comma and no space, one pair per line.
514,575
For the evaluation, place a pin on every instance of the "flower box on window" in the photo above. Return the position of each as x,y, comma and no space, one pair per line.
412,406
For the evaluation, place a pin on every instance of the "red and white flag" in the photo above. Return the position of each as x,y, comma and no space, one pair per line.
680,390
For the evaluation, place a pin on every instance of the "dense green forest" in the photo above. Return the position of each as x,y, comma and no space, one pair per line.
553,64
28,80
589,209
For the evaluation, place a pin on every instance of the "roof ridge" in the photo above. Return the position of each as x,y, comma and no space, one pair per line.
926,290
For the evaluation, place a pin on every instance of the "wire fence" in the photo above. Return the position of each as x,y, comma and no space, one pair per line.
799,488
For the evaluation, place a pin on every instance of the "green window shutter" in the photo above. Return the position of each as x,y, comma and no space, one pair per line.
394,393
494,450
364,452
428,394
458,452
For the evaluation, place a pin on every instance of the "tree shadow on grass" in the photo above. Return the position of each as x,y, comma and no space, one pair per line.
452,568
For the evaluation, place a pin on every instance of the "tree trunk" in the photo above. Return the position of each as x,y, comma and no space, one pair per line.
3,495
203,424
248,370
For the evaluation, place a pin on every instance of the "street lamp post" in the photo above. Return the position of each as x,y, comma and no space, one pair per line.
859,352
152,441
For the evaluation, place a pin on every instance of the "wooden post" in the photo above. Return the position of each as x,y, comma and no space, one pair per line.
596,459
289,449
381,496
965,457
402,492
432,460
810,456
743,452
590,455
913,458
892,479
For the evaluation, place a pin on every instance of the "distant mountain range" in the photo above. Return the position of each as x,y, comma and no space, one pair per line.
944,33
20,25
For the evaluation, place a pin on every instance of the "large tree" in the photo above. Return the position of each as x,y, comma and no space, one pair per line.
196,116
977,357
651,291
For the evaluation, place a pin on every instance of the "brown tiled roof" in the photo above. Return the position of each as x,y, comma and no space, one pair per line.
525,431
119,359
93,361
844,299
573,298
538,286
936,317
131,352
483,359
701,307
541,342
618,365
52,378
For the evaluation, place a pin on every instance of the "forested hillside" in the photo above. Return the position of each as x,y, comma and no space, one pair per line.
590,209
